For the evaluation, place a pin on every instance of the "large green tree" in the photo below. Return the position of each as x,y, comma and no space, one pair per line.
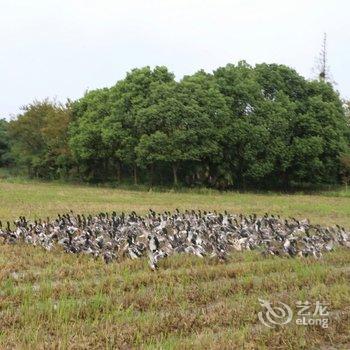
85,134
136,95
39,139
319,136
183,127
283,128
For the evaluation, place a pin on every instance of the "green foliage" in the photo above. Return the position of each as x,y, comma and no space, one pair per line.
242,126
284,128
39,139
85,132
345,171
184,124
5,156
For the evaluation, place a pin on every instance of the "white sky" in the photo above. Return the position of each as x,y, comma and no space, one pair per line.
60,48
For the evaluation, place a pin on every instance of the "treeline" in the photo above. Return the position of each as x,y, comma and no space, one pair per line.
240,127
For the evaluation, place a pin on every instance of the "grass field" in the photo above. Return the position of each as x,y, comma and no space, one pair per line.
38,199
56,300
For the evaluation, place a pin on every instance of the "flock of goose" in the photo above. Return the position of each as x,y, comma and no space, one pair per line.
158,235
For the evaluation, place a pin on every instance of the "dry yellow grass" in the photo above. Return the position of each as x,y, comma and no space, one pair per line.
58,300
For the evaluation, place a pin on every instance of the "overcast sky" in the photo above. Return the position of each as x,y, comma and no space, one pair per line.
60,48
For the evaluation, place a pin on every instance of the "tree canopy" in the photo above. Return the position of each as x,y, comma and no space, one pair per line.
39,139
241,126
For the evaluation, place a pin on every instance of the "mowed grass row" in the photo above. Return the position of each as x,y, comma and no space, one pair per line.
37,199
58,300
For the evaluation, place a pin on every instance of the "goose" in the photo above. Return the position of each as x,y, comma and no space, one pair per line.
153,243
158,235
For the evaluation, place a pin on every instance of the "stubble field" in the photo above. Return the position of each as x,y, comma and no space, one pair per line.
58,300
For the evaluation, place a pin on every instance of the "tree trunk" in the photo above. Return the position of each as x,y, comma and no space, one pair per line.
135,175
152,174
285,180
175,167
119,177
105,170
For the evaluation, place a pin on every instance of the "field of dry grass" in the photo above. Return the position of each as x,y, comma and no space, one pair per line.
37,199
58,300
